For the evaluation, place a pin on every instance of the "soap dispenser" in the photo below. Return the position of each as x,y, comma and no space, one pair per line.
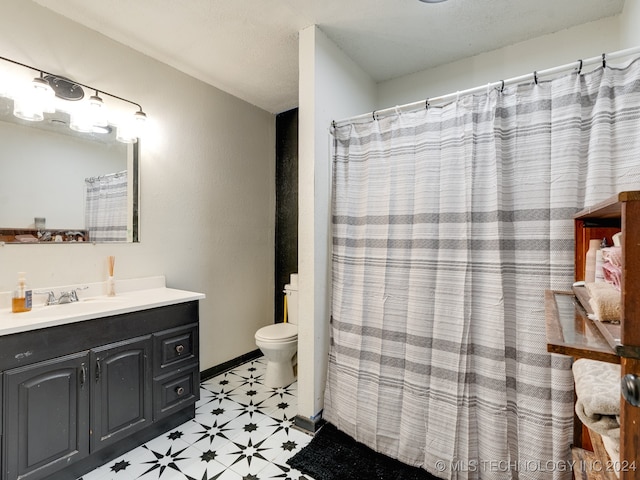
22,296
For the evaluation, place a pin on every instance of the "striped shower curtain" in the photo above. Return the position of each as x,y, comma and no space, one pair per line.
106,208
448,225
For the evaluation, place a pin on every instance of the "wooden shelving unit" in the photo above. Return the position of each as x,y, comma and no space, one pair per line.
571,332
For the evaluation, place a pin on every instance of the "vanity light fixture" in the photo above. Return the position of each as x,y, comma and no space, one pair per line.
87,116
433,1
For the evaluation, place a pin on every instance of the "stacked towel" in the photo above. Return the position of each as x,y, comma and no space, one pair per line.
612,267
598,397
605,301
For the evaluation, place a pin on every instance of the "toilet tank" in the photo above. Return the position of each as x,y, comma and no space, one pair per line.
291,291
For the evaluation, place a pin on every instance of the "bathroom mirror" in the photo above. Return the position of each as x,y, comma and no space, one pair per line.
59,185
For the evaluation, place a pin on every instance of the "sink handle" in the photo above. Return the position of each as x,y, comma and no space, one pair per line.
73,294
51,297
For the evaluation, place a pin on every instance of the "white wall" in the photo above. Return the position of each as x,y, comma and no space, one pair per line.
332,87
629,21
328,91
207,183
584,41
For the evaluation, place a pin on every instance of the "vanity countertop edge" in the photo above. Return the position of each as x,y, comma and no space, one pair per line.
132,295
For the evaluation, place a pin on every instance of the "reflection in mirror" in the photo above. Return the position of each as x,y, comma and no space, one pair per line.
59,185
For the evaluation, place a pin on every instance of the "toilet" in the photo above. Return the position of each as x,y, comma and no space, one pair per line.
279,342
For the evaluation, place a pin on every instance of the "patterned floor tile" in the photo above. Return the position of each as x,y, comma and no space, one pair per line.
243,430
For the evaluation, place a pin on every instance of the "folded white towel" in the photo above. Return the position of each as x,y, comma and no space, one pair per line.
598,396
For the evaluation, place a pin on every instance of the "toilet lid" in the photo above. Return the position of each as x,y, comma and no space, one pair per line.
278,331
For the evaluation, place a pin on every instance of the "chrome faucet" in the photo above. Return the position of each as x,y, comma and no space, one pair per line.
70,296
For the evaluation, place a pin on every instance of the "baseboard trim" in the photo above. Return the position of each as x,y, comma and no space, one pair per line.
307,424
230,365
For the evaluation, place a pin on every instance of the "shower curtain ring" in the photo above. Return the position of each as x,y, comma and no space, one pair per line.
426,104
502,86
535,77
580,67
373,115
604,60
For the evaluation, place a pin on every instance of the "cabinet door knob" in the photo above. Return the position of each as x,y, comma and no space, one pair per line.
630,386
180,390
179,349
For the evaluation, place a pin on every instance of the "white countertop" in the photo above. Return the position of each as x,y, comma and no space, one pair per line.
131,296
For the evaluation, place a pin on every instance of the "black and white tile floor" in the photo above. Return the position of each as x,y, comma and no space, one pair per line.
242,431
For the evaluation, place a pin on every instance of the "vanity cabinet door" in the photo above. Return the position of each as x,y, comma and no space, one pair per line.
121,391
46,417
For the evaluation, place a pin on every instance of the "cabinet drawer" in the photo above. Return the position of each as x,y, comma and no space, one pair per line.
175,390
175,348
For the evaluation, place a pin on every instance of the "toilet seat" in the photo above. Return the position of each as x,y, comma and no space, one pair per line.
279,332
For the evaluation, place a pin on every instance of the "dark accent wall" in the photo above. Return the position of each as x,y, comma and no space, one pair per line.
286,231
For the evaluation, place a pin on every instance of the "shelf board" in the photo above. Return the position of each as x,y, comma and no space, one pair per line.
610,331
610,208
571,332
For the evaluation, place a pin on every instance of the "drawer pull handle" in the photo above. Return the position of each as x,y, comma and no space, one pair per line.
180,390
179,349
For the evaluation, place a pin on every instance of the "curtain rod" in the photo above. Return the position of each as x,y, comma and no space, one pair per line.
578,65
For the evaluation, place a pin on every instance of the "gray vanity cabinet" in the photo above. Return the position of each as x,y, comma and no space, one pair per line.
46,416
120,391
76,396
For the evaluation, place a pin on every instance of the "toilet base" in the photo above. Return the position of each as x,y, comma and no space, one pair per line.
279,374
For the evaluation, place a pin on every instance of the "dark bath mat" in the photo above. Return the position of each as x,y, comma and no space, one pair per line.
334,455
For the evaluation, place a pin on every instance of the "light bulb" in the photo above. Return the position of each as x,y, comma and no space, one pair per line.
28,109
97,111
132,128
139,123
44,94
31,103
126,133
81,120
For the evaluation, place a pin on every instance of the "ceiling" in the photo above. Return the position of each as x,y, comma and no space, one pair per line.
249,48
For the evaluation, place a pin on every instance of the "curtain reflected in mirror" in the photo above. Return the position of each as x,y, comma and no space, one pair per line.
106,207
